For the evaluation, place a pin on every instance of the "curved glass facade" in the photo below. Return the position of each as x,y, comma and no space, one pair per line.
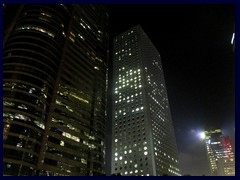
54,77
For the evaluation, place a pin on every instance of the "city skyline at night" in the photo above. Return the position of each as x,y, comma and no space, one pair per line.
73,54
199,67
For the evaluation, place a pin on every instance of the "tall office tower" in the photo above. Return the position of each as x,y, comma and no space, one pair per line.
143,135
220,154
54,87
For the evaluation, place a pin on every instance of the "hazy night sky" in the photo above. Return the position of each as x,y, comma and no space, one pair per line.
194,42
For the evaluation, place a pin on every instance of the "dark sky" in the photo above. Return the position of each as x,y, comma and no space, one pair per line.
194,42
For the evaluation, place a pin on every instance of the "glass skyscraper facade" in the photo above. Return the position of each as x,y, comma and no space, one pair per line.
220,153
54,89
143,142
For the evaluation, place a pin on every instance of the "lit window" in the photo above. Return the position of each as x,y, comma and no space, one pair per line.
19,145
45,14
71,38
97,68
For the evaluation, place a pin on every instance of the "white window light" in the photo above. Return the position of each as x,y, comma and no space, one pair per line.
233,36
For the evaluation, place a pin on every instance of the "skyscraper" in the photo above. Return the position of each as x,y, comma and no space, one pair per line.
220,154
143,140
54,87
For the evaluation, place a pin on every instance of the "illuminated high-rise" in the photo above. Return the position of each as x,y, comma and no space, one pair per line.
143,141
54,89
220,154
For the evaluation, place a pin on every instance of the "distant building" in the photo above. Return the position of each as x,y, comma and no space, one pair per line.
54,89
143,136
220,154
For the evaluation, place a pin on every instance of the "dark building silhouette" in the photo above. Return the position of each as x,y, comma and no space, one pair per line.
54,89
143,141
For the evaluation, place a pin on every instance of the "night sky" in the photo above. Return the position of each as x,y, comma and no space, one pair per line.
194,42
